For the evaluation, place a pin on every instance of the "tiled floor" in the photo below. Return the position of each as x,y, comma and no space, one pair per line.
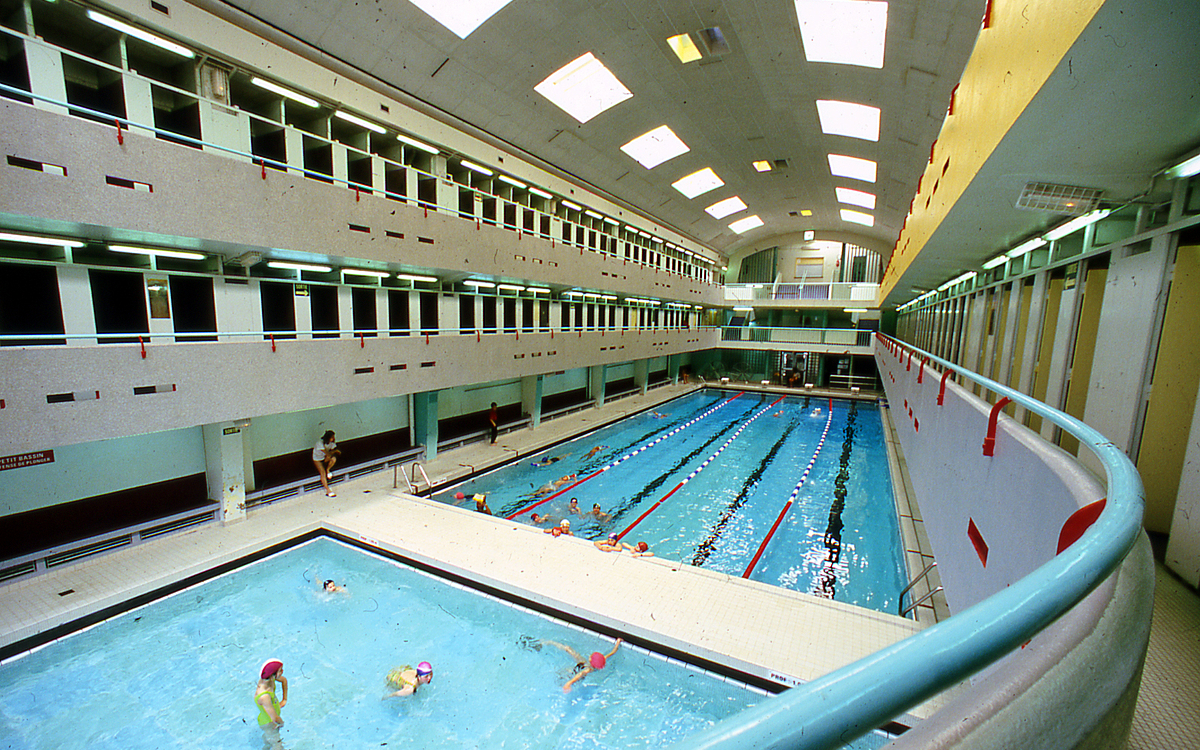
1168,708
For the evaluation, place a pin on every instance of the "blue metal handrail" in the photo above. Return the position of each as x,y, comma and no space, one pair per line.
853,700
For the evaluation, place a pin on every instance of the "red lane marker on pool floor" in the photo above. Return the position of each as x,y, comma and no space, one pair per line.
795,492
651,444
703,464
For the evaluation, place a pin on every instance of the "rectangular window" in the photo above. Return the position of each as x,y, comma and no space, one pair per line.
278,308
527,315
30,304
489,314
398,312
510,315
195,308
362,308
119,304
429,313
466,313
324,305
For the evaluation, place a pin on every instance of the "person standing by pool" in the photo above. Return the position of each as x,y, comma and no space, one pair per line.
270,718
324,456
584,667
494,421
406,680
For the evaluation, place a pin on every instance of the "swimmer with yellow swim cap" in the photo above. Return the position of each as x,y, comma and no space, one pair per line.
406,680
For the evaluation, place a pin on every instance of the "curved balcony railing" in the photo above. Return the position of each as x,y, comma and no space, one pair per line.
856,293
852,700
844,337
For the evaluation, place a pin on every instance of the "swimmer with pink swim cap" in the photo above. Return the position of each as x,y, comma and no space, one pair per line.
406,680
584,667
270,717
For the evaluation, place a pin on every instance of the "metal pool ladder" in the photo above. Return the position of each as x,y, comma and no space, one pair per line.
412,490
904,611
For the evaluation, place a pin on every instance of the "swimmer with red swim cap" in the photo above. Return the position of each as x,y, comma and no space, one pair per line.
584,667
270,717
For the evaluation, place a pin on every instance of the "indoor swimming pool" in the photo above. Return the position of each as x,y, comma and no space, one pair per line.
181,672
793,491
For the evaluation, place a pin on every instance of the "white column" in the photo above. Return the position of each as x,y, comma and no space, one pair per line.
223,452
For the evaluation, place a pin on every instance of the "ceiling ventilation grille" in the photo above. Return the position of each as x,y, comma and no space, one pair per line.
1061,199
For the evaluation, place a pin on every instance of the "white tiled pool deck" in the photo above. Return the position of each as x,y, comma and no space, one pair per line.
748,626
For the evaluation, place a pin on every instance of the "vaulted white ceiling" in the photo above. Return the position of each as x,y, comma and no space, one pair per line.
1122,105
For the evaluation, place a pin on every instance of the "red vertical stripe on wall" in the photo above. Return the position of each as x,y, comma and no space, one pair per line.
976,538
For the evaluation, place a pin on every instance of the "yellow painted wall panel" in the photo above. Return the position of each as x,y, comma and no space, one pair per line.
1041,374
1085,349
1172,393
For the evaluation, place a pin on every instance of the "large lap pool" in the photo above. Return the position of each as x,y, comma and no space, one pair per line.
792,491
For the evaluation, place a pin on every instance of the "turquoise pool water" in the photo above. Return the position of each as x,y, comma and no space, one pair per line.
706,478
180,672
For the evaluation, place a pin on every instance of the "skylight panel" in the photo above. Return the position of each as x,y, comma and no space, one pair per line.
849,32
849,119
583,88
858,217
852,167
855,197
684,48
654,148
742,226
726,207
461,16
762,166
698,183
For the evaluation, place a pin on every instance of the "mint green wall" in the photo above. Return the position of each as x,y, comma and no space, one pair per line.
566,381
470,399
619,372
277,434
103,466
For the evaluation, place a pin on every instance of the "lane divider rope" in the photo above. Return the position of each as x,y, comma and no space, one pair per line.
627,456
701,467
792,498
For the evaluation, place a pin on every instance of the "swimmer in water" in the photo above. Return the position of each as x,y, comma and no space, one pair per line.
594,451
573,507
609,545
332,587
816,412
584,667
406,680
598,514
550,487
547,460
270,716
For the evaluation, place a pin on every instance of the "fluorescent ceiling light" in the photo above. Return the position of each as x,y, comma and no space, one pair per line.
698,183
684,48
852,166
583,88
572,206
743,309
724,208
298,266
417,144
414,278
610,220
263,83
541,193
850,32
855,197
654,148
1077,223
762,166
849,119
359,121
809,235
32,240
572,293
461,16
858,217
476,167
1185,168
999,260
145,36
594,214
365,272
608,297
477,283
181,254
745,225
510,287
805,212
511,181
1025,247
538,290
854,309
